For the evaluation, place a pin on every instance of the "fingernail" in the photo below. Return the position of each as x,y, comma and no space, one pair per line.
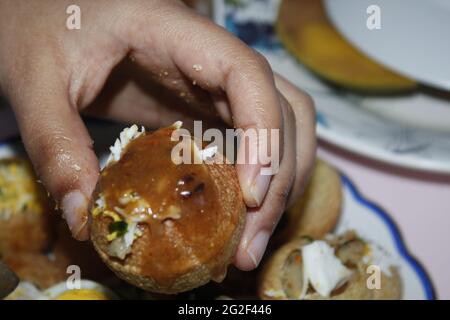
258,246
259,188
74,206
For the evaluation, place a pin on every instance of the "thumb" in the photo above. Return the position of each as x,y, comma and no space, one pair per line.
60,149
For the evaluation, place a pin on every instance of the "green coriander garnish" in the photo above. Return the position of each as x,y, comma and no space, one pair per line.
119,227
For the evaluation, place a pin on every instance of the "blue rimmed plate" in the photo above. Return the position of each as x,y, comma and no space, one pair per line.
373,224
369,220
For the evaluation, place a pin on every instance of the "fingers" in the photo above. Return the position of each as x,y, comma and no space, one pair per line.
305,118
254,106
260,222
132,105
58,145
300,143
218,62
131,96
242,85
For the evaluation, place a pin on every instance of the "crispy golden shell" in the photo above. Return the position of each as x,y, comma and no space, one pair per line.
315,213
167,256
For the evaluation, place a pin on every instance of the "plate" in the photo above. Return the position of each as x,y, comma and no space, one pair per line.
409,40
410,131
371,222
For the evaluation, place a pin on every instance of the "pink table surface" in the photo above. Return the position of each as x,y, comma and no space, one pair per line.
418,202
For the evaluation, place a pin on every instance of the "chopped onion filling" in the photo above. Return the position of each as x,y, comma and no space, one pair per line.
322,269
122,240
120,246
127,135
122,235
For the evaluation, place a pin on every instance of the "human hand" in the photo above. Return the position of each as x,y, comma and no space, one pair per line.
50,74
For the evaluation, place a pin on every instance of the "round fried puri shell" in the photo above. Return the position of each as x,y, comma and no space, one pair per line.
317,211
188,276
281,279
26,231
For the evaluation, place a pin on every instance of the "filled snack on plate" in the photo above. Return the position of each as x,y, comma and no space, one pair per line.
317,211
25,212
335,267
161,226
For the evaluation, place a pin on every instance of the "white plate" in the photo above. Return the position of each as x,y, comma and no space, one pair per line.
412,39
359,214
411,131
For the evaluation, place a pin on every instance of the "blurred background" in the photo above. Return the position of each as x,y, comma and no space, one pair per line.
379,74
